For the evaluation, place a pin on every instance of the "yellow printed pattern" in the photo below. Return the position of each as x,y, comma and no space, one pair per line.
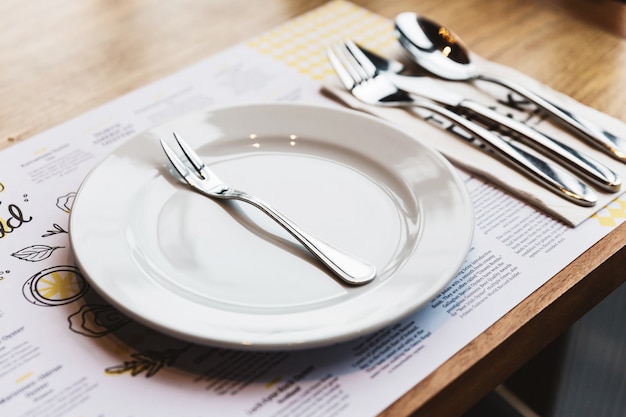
59,285
23,377
301,42
55,286
611,215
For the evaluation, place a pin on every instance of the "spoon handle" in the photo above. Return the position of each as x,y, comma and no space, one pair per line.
608,142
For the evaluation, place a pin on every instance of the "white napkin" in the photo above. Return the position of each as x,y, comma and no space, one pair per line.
472,159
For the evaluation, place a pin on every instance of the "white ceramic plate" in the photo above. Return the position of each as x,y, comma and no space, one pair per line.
221,273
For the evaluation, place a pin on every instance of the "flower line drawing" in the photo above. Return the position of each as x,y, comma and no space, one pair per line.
96,320
65,201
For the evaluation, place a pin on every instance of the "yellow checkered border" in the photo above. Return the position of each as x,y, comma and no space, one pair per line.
301,42
613,214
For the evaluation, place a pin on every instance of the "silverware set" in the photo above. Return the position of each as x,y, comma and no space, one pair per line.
377,81
441,52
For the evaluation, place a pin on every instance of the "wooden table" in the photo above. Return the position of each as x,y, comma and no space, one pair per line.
60,58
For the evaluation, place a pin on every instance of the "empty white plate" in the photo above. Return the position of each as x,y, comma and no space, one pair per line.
223,274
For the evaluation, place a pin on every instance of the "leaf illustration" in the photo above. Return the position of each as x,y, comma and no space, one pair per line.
35,253
57,229
150,362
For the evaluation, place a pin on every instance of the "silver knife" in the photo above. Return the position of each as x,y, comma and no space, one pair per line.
595,171
542,170
598,173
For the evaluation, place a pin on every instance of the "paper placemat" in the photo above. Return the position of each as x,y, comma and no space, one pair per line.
66,351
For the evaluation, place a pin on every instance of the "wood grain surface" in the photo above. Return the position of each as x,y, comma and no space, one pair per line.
60,58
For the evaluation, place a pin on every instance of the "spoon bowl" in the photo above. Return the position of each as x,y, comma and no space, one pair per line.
434,47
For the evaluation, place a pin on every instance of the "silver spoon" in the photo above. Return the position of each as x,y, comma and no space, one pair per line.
441,52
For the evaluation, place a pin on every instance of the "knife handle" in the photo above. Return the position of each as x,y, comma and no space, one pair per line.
594,134
583,164
542,170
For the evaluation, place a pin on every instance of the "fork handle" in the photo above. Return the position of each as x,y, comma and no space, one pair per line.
347,267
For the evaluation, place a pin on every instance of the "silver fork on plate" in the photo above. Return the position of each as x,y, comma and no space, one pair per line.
359,76
200,178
